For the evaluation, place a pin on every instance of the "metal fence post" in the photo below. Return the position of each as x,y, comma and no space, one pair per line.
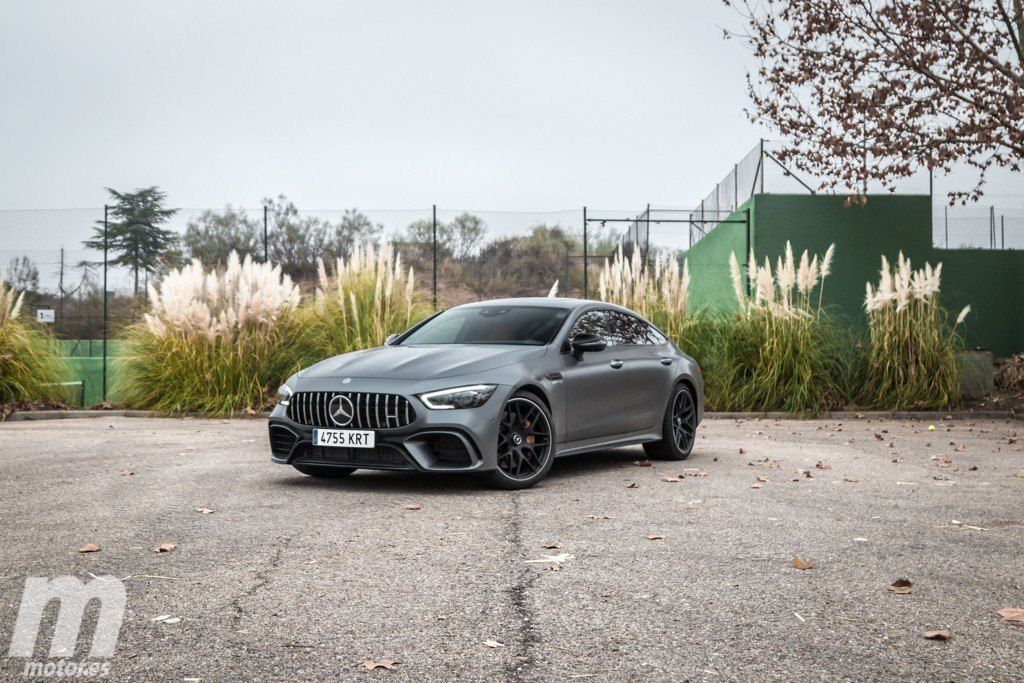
434,230
1002,231
647,244
992,226
946,218
60,301
760,166
106,212
266,234
585,282
746,258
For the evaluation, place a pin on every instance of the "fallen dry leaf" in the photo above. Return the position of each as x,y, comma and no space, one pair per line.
642,463
742,451
411,506
164,547
673,479
560,558
551,546
802,565
755,486
1020,474
805,473
205,511
695,472
762,479
937,635
653,537
89,548
821,465
901,586
598,517
388,664
493,643
634,485
1012,614
127,473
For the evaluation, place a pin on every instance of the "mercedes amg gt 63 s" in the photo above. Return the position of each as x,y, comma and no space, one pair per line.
499,388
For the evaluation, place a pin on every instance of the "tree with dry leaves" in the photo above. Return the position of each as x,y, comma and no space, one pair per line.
877,89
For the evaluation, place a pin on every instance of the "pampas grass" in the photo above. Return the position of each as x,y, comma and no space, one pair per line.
215,342
781,351
29,369
912,352
359,302
658,293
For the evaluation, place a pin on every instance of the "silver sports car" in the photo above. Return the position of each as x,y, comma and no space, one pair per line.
499,388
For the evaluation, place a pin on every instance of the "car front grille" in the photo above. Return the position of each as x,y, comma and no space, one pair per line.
371,411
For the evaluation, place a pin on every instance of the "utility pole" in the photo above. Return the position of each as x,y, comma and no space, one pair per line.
266,234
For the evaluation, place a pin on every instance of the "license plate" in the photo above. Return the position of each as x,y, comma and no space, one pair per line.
343,438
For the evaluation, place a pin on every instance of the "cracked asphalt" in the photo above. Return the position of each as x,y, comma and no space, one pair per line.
293,578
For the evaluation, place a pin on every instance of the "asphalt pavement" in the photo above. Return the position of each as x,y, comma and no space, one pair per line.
607,570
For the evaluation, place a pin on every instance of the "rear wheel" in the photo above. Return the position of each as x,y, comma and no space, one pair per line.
526,443
679,427
325,472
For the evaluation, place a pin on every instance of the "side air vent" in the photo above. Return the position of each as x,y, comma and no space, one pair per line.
282,441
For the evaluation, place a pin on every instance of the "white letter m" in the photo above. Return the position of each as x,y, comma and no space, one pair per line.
72,596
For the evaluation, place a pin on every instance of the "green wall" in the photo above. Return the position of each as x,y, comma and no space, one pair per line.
991,281
711,287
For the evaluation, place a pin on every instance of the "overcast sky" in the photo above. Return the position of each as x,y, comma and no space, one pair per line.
530,105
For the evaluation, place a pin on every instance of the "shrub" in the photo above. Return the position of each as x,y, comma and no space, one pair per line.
781,351
213,342
360,303
911,360
659,293
29,369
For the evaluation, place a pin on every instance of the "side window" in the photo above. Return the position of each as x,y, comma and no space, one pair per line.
630,329
654,336
599,323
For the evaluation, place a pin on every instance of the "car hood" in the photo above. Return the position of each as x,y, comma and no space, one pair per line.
422,362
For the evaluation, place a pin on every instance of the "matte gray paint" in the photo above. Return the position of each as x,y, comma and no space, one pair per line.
593,404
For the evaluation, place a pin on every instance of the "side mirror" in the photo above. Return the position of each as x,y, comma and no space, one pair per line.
392,338
586,342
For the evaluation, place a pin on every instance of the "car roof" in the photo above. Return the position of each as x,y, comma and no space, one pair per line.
545,301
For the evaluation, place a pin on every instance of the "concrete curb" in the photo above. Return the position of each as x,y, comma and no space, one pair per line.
874,414
78,414
837,415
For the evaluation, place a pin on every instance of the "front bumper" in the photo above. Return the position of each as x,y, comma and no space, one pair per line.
460,440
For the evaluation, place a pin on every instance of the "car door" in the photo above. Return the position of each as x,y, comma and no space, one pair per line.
596,385
649,356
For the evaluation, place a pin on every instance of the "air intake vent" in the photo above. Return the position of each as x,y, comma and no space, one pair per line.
369,411
448,450
282,441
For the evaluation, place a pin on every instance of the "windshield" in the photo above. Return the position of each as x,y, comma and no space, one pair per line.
523,325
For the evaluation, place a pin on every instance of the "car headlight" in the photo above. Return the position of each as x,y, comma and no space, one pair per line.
458,397
284,393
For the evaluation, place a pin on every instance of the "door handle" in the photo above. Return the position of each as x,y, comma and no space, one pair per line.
616,364
666,361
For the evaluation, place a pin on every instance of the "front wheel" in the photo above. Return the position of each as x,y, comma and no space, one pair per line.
325,472
526,443
679,428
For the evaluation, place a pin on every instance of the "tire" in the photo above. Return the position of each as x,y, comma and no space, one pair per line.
677,438
325,472
524,416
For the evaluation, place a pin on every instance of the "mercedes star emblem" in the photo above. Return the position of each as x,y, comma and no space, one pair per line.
341,410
